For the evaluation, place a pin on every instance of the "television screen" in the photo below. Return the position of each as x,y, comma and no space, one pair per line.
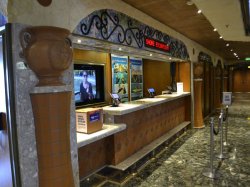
88,84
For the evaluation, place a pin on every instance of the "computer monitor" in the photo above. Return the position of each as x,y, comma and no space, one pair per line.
115,99
114,96
151,92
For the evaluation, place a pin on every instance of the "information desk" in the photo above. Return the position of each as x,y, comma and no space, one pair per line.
146,120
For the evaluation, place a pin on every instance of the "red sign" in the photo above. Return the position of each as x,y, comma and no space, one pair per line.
152,43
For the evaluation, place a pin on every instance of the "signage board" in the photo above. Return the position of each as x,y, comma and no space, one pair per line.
227,98
155,44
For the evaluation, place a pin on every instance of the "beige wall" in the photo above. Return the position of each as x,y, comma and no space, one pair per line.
68,13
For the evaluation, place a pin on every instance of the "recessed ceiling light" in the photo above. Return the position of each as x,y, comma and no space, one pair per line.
235,54
227,44
120,49
150,54
189,3
170,58
199,11
221,37
215,29
79,41
231,50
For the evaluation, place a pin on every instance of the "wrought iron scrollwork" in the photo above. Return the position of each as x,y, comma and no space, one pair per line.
103,25
119,28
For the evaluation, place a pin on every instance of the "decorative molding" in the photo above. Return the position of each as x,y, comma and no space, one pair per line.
198,80
203,57
112,26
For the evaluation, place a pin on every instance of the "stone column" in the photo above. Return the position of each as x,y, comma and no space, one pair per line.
48,53
198,81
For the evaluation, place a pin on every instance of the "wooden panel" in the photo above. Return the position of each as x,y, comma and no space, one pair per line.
80,56
217,92
198,117
212,95
207,89
185,20
94,156
241,80
184,75
156,74
143,129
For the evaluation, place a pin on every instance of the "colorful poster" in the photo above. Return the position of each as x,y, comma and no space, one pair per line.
136,78
120,76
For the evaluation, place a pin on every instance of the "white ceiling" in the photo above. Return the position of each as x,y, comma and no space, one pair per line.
225,16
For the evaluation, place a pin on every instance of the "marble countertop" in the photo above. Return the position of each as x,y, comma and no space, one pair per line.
107,130
125,108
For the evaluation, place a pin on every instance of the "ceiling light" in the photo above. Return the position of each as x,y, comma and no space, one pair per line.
189,3
199,11
120,49
235,54
227,44
248,67
150,54
221,37
231,50
79,41
215,29
170,58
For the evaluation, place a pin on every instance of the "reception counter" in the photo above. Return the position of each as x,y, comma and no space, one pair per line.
143,122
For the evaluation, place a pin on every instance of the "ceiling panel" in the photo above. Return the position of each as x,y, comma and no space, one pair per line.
184,19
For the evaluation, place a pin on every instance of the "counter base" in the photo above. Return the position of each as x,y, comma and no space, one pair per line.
150,148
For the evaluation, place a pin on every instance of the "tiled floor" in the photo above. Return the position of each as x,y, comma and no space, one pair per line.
182,163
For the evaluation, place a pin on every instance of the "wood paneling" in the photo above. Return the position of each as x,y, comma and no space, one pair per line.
143,129
185,20
184,75
94,156
207,108
156,75
241,80
198,117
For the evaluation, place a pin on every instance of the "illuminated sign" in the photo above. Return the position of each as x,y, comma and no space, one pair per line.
154,44
247,58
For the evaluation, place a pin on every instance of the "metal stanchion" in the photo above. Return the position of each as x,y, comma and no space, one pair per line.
226,127
221,155
211,172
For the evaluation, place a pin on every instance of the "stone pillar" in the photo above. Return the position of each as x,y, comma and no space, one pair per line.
48,53
198,81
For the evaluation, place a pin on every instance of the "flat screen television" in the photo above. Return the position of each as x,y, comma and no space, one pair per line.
89,84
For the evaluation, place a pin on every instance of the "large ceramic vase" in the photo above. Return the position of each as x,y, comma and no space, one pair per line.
48,53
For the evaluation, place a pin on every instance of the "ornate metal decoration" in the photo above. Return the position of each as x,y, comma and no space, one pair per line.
203,57
117,27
